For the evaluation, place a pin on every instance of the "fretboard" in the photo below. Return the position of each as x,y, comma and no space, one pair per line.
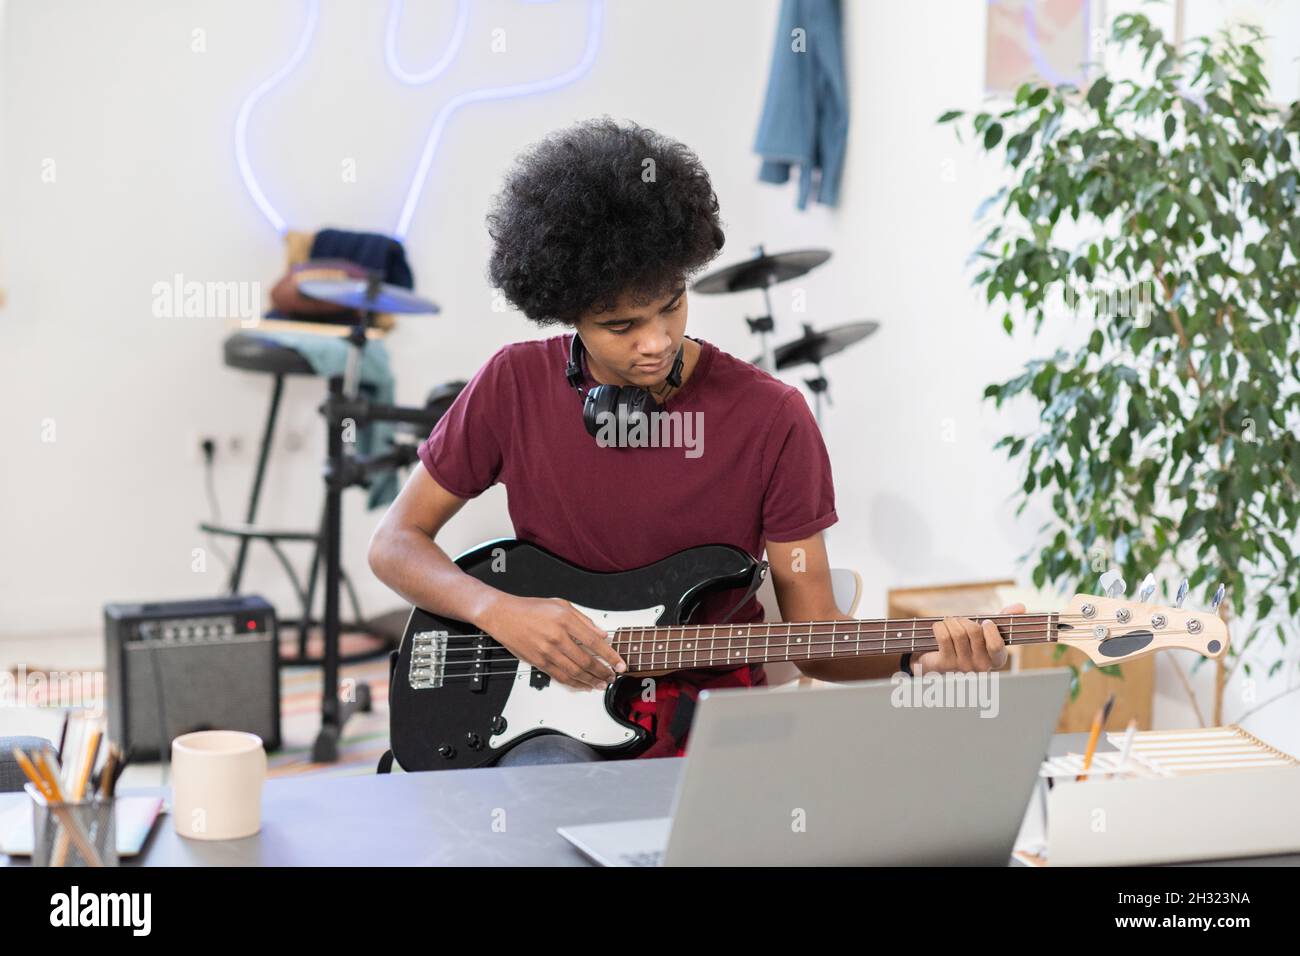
719,645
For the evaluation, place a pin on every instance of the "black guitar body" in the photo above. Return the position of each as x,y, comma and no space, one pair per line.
457,699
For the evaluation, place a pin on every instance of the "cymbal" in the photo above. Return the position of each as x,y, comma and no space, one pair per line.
813,347
367,296
761,271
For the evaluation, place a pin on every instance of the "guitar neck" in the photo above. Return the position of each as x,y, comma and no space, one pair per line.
688,646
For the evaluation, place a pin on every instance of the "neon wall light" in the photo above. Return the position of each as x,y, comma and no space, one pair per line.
595,16
453,47
246,110
595,19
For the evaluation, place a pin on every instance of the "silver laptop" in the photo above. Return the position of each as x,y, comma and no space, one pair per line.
936,771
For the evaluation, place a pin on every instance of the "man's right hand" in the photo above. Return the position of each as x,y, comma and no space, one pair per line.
556,638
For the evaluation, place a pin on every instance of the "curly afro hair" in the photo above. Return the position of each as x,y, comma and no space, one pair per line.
584,219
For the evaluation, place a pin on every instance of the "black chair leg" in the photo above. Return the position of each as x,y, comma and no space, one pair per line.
268,433
311,590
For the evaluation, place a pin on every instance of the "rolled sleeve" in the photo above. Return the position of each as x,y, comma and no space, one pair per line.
465,451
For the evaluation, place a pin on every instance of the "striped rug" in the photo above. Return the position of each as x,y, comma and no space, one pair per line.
365,735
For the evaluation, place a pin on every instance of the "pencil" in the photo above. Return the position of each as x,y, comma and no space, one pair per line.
63,734
1098,721
88,764
31,772
106,772
78,791
51,779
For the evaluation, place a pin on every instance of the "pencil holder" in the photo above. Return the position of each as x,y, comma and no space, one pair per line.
73,834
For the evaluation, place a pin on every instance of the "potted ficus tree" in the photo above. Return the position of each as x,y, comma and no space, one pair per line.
1161,211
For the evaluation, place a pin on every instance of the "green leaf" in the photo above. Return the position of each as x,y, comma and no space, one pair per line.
1098,93
1217,103
1264,606
1198,208
949,116
1018,147
992,135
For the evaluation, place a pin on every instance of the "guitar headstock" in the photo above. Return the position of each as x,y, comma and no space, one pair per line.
1110,629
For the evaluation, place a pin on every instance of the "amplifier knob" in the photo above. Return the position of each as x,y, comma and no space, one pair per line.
447,751
474,741
497,724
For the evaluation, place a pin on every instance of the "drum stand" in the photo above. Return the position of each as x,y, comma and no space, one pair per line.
819,386
763,325
346,407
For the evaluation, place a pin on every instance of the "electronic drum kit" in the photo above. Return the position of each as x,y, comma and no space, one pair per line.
762,272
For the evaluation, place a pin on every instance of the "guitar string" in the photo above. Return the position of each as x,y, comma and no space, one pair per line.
627,635
878,623
892,645
1009,619
1027,636
506,658
904,644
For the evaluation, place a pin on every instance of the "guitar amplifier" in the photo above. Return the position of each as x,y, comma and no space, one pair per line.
209,664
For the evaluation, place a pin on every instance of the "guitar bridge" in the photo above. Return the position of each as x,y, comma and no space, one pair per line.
428,659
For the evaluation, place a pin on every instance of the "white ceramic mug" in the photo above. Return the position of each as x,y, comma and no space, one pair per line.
217,778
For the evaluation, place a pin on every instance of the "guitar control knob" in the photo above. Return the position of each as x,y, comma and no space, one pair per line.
497,724
447,751
474,741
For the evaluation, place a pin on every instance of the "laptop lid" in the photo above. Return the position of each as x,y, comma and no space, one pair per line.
930,771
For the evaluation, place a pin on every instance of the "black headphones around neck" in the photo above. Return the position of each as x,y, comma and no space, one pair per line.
620,400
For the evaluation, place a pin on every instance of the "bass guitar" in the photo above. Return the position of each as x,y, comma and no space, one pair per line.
458,699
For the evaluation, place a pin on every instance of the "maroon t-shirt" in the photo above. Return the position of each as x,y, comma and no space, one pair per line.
758,469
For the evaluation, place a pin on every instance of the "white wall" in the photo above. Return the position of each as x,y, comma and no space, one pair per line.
139,127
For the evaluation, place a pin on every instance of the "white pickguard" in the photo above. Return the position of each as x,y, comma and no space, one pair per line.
578,713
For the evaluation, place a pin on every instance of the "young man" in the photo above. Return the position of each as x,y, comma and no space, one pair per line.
598,229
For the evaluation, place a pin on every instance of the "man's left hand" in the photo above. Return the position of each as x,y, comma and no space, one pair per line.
965,645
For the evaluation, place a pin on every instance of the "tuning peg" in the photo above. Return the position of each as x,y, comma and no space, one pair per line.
1218,599
1182,594
1147,589
1112,585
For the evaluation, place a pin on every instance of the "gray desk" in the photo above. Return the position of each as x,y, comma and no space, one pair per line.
496,816
492,817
